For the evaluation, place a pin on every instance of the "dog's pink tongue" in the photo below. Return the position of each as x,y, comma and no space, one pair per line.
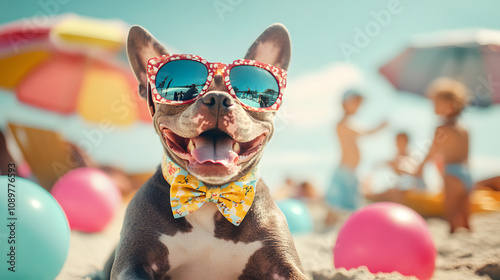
214,150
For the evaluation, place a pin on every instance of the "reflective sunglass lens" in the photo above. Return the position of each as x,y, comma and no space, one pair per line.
181,80
254,86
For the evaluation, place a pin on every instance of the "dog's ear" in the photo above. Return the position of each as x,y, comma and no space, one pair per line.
272,47
141,46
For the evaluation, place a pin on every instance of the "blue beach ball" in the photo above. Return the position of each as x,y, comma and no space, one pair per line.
297,215
34,240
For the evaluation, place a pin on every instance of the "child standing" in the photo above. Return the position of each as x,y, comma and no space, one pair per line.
451,147
343,192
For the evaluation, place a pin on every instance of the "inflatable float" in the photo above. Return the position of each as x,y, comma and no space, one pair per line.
426,204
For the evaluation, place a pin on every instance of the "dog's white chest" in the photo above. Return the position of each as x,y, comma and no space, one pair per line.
199,255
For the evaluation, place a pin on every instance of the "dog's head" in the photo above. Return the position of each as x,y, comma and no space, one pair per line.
215,138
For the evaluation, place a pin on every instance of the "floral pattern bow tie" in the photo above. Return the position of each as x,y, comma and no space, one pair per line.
188,194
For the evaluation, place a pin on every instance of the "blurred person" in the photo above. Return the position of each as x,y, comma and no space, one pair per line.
403,166
343,191
450,148
287,190
307,192
397,164
491,184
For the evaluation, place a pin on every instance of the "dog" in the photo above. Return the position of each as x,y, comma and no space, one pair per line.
204,244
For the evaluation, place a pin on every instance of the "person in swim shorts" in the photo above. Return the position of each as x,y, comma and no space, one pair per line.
343,190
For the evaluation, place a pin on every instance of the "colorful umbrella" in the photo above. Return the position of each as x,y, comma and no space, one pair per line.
72,65
470,56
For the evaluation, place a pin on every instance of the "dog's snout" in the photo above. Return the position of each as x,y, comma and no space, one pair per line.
217,99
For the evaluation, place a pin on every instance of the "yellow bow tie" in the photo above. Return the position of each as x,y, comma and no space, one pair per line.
188,194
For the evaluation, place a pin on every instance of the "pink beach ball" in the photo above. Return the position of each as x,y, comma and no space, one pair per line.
386,237
89,197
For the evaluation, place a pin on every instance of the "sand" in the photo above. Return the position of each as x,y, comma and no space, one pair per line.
460,256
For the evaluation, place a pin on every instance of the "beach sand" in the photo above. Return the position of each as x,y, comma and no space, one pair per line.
460,256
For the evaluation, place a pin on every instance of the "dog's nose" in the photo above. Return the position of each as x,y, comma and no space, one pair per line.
218,99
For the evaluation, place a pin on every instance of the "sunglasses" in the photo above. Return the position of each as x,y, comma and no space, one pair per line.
183,79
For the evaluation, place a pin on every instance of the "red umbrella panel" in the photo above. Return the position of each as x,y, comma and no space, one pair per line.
473,60
85,75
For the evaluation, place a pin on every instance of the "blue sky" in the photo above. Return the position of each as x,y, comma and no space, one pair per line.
224,29
336,44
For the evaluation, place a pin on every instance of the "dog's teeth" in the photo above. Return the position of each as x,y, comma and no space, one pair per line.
236,147
190,146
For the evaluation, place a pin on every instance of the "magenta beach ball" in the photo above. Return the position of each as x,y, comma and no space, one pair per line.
89,197
386,237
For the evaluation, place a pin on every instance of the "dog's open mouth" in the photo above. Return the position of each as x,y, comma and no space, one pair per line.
212,147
